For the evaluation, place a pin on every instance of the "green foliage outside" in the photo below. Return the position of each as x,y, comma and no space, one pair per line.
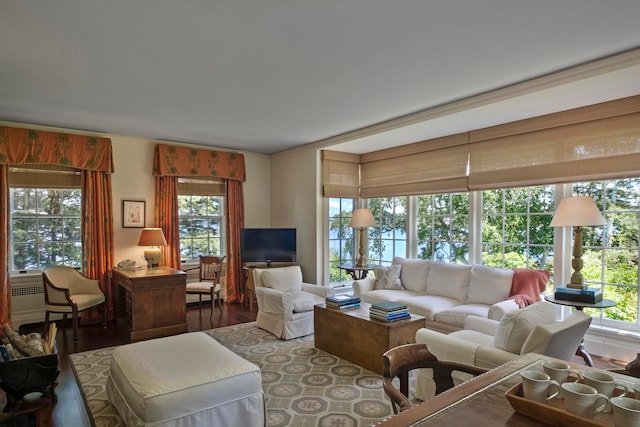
200,226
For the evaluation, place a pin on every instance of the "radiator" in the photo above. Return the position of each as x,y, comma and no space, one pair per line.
27,300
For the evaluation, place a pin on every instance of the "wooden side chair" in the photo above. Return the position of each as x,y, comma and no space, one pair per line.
209,283
67,291
399,361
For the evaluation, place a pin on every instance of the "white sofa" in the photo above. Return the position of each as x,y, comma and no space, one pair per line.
487,343
285,302
445,294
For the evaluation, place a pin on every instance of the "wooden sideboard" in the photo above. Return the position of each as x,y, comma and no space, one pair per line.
151,301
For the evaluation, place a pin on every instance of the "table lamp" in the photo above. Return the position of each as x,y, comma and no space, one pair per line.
361,219
577,212
153,238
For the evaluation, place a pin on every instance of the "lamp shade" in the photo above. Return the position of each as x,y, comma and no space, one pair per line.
362,218
152,237
577,212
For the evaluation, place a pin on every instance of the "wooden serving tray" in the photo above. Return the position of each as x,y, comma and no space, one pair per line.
552,412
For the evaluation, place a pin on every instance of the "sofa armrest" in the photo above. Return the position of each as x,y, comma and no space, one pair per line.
321,291
482,325
362,286
499,309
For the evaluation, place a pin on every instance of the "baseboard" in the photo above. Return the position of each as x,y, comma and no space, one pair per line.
612,343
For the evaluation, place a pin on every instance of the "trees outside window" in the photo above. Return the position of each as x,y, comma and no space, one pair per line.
201,228
45,228
389,238
341,243
443,227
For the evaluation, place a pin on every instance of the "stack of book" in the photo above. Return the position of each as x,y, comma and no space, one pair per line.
588,295
342,301
389,311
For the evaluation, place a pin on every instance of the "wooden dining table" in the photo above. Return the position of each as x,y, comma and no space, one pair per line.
480,401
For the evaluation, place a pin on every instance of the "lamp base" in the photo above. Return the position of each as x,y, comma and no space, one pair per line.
152,256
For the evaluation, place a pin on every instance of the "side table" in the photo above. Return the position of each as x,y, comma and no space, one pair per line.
604,303
358,272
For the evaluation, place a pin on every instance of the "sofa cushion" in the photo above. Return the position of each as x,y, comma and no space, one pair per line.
489,285
414,273
304,301
455,316
448,280
388,277
515,326
283,279
427,305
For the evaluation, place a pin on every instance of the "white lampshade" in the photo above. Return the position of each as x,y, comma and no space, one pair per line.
362,218
152,238
577,211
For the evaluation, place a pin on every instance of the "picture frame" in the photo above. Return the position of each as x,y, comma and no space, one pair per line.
133,213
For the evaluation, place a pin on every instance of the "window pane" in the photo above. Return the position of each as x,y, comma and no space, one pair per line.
200,225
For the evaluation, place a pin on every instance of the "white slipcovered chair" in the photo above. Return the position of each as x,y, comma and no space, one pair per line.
67,291
487,343
285,302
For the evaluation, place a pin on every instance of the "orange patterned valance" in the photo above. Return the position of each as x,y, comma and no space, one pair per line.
38,147
171,160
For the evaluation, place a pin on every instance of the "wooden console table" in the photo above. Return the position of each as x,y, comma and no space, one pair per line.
152,301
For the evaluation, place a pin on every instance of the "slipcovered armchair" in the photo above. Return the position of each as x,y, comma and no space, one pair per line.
285,303
488,343
67,291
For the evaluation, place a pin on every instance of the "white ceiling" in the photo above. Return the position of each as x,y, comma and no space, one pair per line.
269,75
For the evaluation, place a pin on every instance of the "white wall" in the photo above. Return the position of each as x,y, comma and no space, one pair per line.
296,202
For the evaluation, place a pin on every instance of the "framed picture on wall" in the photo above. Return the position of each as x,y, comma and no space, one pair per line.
133,213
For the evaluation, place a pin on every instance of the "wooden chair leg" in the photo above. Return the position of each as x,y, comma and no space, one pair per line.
46,322
74,313
104,320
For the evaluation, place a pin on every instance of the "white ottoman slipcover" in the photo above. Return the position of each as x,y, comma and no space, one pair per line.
184,380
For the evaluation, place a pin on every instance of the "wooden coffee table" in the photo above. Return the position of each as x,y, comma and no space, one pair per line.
353,336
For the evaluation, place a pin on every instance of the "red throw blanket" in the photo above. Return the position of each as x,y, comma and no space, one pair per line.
527,285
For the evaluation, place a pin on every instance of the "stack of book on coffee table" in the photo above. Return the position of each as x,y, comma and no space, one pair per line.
342,301
389,311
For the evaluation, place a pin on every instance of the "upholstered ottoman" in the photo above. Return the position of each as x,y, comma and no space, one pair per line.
184,380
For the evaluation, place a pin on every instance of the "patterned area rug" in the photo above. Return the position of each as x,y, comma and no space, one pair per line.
304,386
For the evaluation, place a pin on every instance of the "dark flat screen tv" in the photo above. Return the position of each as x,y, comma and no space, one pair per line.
268,245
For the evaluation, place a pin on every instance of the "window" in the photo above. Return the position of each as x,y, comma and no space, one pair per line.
443,227
389,238
201,226
45,218
515,227
611,252
341,239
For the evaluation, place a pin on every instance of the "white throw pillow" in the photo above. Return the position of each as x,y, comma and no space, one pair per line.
414,273
387,277
283,279
516,325
489,285
448,280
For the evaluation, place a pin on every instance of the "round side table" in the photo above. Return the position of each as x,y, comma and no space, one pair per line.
604,303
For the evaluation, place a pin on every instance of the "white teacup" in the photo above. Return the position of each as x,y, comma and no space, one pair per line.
626,411
538,386
606,384
560,371
584,400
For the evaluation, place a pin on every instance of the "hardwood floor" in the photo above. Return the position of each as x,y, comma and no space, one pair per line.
70,411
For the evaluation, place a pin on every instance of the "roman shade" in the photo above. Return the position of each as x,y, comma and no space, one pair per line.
585,144
196,186
340,174
596,142
433,166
